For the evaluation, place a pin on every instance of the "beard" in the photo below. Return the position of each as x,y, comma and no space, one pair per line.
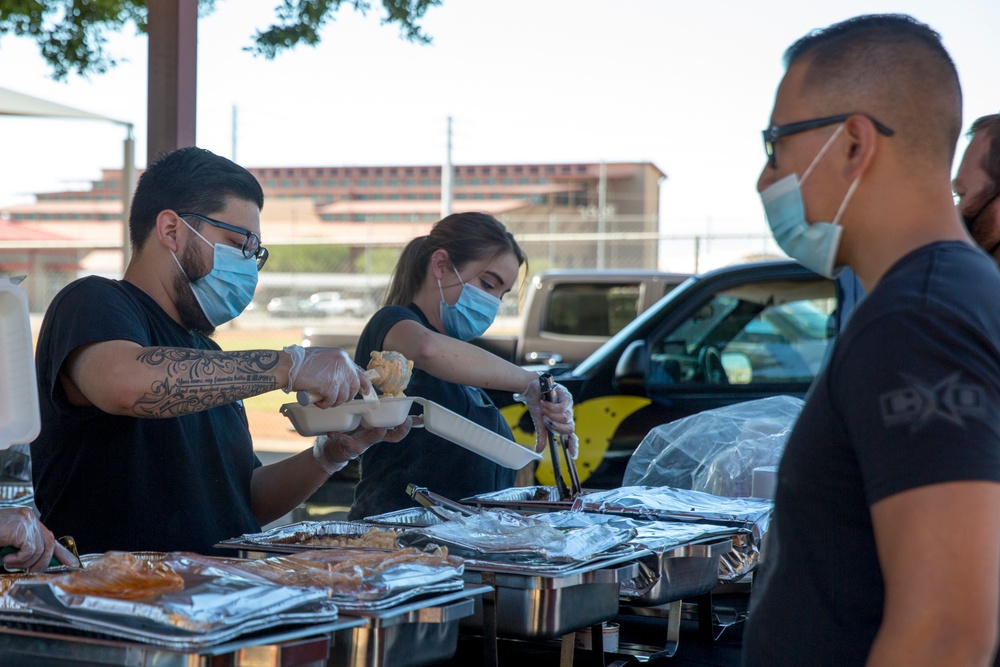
192,316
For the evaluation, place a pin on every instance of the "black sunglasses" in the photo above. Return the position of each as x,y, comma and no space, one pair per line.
775,132
252,249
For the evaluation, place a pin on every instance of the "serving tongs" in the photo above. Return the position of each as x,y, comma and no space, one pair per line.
545,383
435,502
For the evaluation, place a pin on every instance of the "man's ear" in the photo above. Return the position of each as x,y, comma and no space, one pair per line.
167,225
862,138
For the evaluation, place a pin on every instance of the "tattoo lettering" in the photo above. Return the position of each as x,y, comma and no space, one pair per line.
196,380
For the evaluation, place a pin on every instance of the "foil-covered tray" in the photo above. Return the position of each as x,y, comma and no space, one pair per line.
405,518
357,579
309,535
508,536
671,504
208,608
526,498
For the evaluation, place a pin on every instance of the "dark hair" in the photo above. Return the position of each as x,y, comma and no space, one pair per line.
989,125
466,237
895,69
191,180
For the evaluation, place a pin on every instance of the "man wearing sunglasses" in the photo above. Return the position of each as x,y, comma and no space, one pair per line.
977,184
884,547
145,444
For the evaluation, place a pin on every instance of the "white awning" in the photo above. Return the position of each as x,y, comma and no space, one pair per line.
13,103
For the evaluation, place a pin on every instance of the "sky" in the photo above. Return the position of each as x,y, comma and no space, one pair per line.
685,85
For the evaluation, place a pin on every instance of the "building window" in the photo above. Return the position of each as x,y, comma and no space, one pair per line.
425,181
459,181
377,182
491,181
362,182
473,181
409,181
393,181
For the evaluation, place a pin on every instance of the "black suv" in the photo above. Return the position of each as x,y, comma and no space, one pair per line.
734,334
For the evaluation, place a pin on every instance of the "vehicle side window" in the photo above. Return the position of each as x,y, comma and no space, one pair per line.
776,332
591,309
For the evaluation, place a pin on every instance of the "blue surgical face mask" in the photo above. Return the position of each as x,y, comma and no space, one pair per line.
471,315
228,288
812,245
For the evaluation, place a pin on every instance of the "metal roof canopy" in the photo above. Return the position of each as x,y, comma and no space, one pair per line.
13,103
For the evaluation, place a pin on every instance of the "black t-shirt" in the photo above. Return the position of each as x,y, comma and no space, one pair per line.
422,457
911,397
123,483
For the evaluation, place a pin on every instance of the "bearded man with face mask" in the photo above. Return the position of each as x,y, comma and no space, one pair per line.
145,444
884,547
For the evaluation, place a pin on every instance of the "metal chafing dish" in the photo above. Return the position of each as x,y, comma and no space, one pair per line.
423,632
16,494
287,538
50,643
533,604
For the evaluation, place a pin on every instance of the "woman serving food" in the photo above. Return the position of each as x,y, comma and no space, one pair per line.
445,291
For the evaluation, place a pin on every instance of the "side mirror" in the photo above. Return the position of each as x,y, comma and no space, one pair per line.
631,368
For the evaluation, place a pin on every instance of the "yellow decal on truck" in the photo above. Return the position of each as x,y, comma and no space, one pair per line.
597,420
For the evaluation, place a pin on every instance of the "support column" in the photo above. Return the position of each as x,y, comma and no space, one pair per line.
172,79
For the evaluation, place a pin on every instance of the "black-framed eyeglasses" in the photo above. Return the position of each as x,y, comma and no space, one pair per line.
252,249
775,132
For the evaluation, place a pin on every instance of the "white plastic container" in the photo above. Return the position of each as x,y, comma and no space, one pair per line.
309,420
19,418
455,428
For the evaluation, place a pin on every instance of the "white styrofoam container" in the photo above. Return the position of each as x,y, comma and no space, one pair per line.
455,428
309,420
19,418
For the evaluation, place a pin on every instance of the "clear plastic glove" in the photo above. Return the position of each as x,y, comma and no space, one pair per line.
334,450
21,529
556,415
327,373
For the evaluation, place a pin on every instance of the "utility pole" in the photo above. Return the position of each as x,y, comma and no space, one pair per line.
602,205
446,174
234,135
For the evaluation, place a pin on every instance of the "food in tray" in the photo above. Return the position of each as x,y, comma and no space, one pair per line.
375,538
121,575
344,571
390,372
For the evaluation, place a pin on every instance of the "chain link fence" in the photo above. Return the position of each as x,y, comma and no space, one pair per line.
313,287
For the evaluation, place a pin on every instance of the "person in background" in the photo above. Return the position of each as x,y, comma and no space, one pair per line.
446,290
885,543
34,545
145,443
977,184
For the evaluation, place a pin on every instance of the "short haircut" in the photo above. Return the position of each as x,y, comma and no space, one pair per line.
188,180
893,68
990,126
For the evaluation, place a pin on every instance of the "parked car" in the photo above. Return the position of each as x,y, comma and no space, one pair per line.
735,334
334,303
293,306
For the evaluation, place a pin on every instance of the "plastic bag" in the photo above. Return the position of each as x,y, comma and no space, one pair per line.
715,451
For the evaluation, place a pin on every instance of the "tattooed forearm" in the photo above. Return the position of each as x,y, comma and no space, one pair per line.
195,380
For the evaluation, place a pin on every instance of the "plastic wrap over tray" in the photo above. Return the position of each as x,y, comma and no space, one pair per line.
308,535
355,578
207,608
528,498
502,535
409,517
669,504
660,537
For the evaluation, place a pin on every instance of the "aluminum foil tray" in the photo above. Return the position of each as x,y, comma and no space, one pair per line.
409,517
503,535
527,498
357,579
670,504
209,610
289,538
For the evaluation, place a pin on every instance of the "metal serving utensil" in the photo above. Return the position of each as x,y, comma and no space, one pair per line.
545,382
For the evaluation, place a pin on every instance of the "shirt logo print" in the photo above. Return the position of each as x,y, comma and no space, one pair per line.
919,402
